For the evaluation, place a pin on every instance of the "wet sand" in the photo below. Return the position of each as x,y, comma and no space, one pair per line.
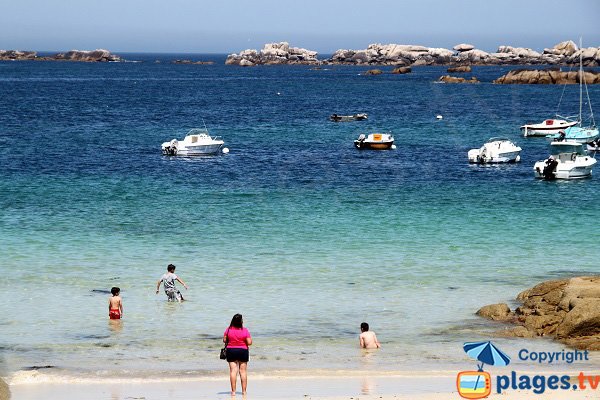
418,386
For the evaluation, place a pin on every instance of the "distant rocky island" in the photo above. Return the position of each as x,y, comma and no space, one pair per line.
567,310
547,76
98,55
564,53
190,62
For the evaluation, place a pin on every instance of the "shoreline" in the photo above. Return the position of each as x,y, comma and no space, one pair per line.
421,385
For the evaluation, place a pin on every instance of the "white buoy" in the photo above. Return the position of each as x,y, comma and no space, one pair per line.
225,150
393,147
278,93
439,116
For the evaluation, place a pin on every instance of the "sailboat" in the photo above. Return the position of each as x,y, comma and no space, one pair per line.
578,132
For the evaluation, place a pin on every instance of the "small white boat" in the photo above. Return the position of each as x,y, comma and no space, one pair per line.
548,127
346,118
375,141
568,160
197,142
495,150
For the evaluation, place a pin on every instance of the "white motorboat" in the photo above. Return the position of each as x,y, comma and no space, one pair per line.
495,150
568,160
197,142
548,127
375,141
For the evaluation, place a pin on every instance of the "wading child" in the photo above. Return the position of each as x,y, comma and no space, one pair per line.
168,281
115,304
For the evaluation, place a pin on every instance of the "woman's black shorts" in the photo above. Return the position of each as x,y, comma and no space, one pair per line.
241,355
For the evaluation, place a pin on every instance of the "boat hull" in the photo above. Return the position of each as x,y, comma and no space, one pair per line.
566,170
546,128
205,150
373,146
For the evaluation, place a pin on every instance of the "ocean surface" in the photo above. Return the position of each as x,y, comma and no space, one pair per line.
303,234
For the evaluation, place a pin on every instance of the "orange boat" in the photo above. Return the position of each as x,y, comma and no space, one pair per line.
375,141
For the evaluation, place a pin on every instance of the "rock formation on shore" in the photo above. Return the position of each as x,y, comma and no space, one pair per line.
465,54
563,53
567,310
548,76
274,53
98,55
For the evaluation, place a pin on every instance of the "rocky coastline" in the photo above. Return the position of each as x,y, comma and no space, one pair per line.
564,53
98,55
568,310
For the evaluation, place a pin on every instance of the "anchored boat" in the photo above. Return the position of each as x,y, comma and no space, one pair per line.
197,142
375,141
568,160
495,150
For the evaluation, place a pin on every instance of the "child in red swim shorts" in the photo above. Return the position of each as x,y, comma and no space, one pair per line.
115,305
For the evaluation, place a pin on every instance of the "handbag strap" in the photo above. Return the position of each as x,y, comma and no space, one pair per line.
227,337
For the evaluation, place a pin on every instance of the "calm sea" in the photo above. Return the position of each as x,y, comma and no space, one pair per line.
303,234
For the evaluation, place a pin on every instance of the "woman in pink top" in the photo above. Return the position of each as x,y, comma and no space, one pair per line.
237,339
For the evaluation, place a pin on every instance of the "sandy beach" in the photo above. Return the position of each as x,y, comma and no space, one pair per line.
331,387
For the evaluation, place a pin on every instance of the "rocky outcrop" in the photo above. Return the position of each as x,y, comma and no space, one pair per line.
567,310
17,55
547,76
392,54
456,79
373,72
190,62
463,47
563,53
401,70
98,55
274,53
461,68
496,312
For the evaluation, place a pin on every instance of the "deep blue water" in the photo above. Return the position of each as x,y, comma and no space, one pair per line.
295,228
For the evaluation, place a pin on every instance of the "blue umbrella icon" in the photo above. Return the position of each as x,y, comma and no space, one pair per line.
487,353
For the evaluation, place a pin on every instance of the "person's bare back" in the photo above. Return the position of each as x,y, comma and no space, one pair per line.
367,338
115,302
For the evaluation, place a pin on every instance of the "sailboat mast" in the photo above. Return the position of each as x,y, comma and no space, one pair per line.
580,82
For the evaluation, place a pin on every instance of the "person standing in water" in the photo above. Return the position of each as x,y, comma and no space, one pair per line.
367,338
115,304
168,281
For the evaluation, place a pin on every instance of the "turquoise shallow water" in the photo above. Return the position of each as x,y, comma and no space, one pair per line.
294,228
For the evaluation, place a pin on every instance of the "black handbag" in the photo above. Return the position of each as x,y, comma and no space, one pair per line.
223,355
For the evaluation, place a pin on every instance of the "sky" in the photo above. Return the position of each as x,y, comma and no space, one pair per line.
230,26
